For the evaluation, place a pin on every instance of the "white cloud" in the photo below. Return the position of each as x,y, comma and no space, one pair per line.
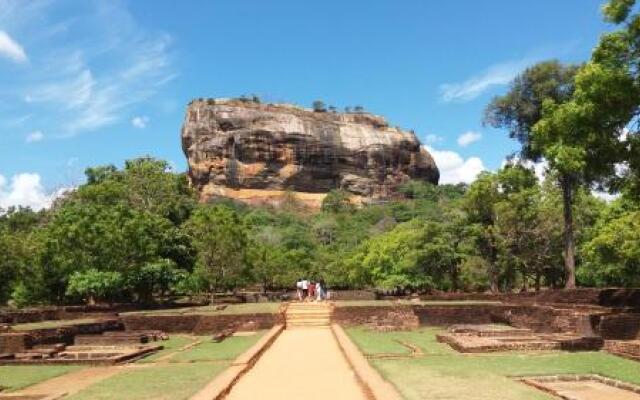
11,49
25,190
539,168
34,136
454,168
495,75
468,137
140,122
96,65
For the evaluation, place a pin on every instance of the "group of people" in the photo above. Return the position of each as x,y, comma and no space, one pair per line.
311,290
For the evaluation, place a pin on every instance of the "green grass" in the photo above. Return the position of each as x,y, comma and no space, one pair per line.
159,382
20,376
387,303
169,346
371,342
227,350
231,309
445,374
185,374
51,324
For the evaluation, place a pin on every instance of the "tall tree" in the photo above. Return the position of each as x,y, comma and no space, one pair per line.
221,240
552,110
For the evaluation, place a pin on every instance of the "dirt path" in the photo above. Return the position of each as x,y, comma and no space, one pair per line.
66,384
303,363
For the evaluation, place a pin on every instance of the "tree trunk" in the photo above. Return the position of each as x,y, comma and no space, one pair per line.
568,235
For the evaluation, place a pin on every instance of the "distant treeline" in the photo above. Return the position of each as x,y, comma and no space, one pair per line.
138,234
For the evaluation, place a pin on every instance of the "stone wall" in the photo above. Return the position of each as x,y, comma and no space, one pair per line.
612,297
66,334
15,342
621,326
401,317
199,324
450,315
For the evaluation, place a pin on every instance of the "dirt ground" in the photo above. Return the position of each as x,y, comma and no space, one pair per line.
303,363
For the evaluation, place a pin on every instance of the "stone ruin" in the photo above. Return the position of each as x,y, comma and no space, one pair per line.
485,338
109,347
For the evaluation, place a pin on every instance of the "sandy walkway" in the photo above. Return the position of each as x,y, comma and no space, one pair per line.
303,363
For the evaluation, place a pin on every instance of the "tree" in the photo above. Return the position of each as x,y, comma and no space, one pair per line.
612,254
155,278
220,238
319,106
550,109
577,139
93,285
521,107
337,201
479,202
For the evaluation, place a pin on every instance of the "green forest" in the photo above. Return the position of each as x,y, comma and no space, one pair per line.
137,233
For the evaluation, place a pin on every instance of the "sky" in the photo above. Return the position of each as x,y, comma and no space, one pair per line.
89,82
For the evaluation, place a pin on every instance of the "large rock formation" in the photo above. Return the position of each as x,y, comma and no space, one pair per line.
254,152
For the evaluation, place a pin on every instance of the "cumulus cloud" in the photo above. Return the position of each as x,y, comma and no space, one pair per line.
11,49
140,122
468,137
454,168
25,190
34,136
496,75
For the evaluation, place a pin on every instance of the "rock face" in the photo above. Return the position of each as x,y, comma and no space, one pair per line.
248,150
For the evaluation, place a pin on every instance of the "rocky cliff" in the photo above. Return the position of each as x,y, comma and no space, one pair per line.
253,152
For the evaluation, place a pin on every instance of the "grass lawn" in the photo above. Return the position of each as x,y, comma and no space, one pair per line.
185,374
382,303
20,376
445,374
227,350
51,324
159,382
231,309
169,346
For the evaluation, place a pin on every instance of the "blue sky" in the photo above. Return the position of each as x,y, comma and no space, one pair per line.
86,82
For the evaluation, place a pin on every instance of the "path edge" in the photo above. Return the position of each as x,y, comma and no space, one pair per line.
221,385
374,385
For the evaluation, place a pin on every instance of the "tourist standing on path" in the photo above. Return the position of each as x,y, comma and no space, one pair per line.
305,288
312,290
320,290
299,289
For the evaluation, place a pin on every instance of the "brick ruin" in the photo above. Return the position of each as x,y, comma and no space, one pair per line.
570,320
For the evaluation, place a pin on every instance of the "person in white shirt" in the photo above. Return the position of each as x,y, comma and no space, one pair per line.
305,288
299,289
